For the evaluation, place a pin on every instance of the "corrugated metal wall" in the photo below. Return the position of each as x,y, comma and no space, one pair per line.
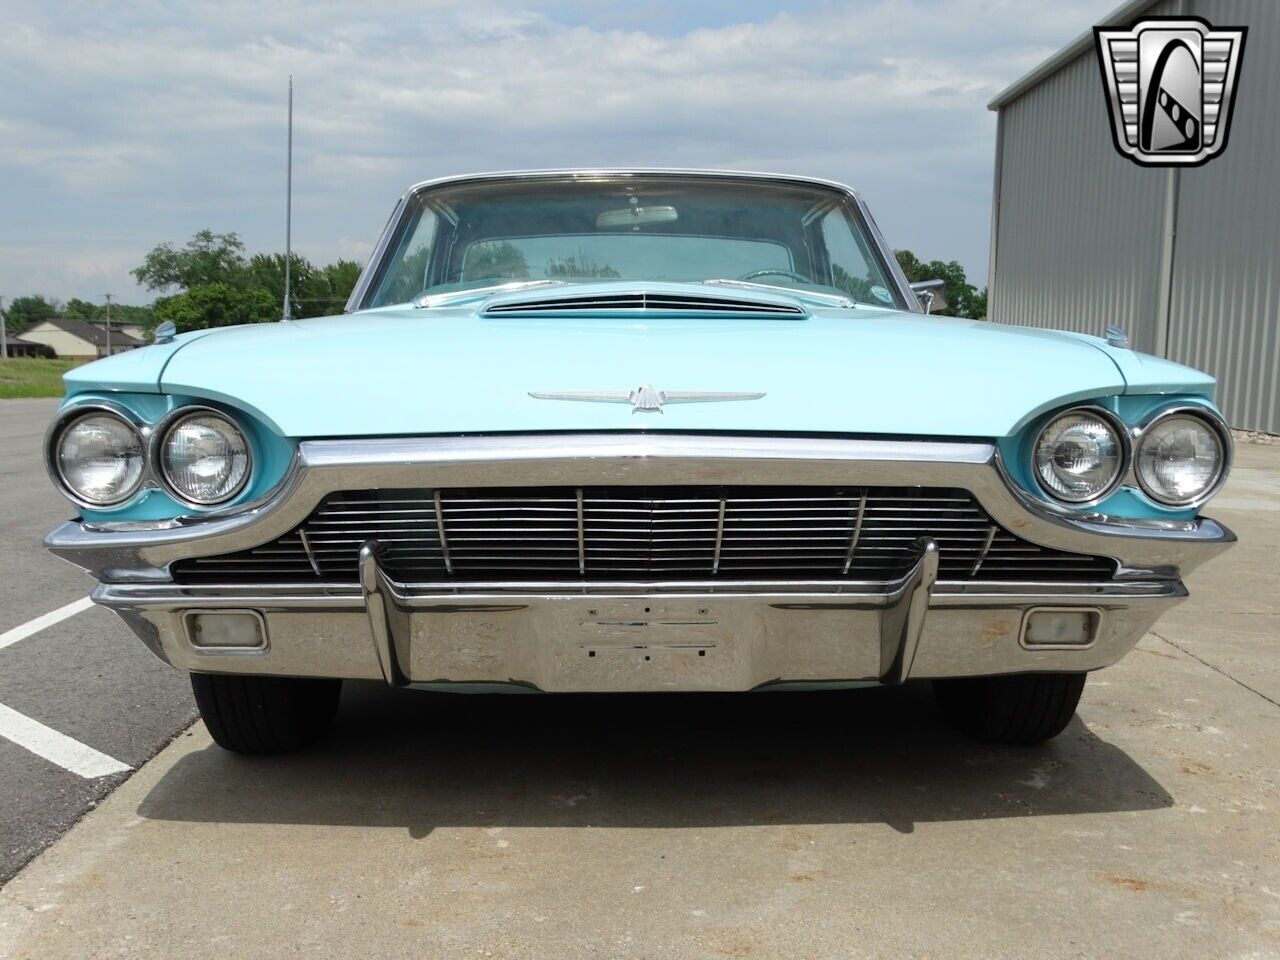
1225,297
1079,230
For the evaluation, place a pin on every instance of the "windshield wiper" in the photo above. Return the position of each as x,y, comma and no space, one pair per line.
831,299
429,300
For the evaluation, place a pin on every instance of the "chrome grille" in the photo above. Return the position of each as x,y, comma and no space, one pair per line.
653,302
647,533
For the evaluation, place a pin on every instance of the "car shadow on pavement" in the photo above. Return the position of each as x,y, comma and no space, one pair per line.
420,760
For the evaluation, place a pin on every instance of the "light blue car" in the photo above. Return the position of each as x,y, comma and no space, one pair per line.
626,430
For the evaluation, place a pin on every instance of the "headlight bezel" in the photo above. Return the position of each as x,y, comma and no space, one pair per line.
160,437
1124,441
68,418
151,431
1216,425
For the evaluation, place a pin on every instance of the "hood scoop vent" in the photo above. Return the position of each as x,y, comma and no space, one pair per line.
643,303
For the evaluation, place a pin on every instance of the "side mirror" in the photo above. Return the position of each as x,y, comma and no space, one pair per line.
932,294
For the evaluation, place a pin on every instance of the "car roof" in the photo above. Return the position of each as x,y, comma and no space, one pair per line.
597,172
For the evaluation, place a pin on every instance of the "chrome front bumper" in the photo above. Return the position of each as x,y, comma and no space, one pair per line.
716,635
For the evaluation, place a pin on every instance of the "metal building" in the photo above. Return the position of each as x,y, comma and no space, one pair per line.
1187,260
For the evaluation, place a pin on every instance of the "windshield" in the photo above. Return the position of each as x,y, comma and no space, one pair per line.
630,227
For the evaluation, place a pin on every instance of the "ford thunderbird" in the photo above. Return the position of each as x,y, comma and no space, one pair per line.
637,431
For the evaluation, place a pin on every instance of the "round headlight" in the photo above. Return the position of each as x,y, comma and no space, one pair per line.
1078,456
204,458
100,459
1180,459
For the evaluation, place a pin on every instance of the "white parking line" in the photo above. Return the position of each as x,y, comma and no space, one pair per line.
56,747
44,741
11,637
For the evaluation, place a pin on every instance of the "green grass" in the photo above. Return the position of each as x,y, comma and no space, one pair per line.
33,377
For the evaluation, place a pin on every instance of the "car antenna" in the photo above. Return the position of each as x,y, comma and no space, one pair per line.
288,213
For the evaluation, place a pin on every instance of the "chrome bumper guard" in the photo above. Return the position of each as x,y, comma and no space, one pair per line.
902,615
714,635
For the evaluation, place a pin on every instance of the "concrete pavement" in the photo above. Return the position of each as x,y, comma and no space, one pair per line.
85,677
832,825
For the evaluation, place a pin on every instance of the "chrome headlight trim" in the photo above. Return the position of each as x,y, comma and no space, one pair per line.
1123,439
160,436
65,419
1210,418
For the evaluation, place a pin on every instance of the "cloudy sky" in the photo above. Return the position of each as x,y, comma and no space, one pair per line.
123,123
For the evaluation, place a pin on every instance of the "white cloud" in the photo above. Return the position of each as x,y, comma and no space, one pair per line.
141,122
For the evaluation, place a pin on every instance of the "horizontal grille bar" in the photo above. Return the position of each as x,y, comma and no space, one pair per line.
689,533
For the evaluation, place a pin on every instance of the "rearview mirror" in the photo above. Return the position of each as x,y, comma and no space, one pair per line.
636,216
932,294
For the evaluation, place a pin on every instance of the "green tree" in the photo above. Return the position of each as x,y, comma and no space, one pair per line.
315,291
207,258
78,309
341,276
265,271
22,312
216,305
963,298
217,285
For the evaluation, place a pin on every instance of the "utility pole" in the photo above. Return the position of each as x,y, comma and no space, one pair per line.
4,332
109,296
288,212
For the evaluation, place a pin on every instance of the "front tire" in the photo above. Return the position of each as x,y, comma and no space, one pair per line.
264,715
1022,709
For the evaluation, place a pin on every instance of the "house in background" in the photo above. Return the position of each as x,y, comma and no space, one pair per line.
18,347
135,330
79,339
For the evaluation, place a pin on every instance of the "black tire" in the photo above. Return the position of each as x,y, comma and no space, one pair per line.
1022,709
265,714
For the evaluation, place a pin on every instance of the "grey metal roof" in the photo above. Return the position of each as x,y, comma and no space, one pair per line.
1121,15
92,332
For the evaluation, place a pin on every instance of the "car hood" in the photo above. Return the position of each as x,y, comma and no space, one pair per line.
454,370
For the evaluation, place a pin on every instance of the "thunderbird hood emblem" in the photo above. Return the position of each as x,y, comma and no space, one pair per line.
645,398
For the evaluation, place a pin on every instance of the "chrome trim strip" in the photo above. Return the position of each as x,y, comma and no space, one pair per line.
363,281
325,466
311,557
986,548
857,533
715,560
903,619
444,543
310,596
378,599
582,538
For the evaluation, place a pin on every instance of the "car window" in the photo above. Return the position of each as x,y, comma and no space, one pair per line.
628,256
850,264
406,274
630,227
